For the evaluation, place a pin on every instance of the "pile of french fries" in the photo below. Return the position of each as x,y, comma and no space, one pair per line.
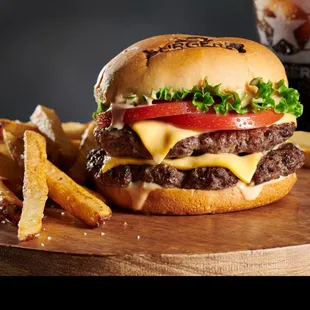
43,159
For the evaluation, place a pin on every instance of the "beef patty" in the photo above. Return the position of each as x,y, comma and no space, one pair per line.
126,143
280,162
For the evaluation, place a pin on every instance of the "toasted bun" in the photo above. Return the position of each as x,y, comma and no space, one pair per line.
181,61
191,202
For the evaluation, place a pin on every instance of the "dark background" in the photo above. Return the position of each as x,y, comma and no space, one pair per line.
52,51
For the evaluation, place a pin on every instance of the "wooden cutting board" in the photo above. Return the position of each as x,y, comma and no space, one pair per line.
271,240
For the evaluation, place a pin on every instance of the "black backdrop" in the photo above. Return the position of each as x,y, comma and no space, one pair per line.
52,51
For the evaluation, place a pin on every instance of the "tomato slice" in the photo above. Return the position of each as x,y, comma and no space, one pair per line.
184,114
231,121
158,110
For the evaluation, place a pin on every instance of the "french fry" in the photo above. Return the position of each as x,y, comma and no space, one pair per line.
17,128
74,198
15,187
50,126
9,170
78,171
4,149
74,130
35,188
15,147
82,203
10,205
76,145
95,194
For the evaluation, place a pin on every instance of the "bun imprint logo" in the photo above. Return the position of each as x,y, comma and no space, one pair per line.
192,42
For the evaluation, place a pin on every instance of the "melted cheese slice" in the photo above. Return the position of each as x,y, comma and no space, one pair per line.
242,167
287,118
158,137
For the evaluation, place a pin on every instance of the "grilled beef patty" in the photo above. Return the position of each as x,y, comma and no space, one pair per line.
280,162
126,143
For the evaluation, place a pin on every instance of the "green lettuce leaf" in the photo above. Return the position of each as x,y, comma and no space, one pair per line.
288,98
207,96
101,109
289,103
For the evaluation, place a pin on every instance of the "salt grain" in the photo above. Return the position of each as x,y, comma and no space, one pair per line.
102,234
138,237
103,223
44,228
37,235
85,233
42,244
62,213
125,224
49,238
2,222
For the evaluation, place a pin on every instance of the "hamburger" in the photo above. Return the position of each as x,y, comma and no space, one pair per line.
194,125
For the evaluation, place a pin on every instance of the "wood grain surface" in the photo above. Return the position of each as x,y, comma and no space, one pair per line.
270,240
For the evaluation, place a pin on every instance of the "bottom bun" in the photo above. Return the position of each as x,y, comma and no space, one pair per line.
177,201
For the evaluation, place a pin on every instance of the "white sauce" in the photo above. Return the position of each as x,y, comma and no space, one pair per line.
138,192
118,111
117,118
251,192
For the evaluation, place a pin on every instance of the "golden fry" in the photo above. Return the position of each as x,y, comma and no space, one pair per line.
15,187
76,145
74,130
74,198
50,126
35,188
96,194
78,171
15,127
4,149
9,169
15,147
10,205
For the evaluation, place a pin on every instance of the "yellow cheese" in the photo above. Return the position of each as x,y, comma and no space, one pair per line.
287,118
112,162
243,167
159,137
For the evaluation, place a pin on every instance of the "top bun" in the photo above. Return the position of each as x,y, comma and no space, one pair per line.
179,61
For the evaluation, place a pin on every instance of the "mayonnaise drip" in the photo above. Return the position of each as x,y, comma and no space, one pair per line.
251,192
139,192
